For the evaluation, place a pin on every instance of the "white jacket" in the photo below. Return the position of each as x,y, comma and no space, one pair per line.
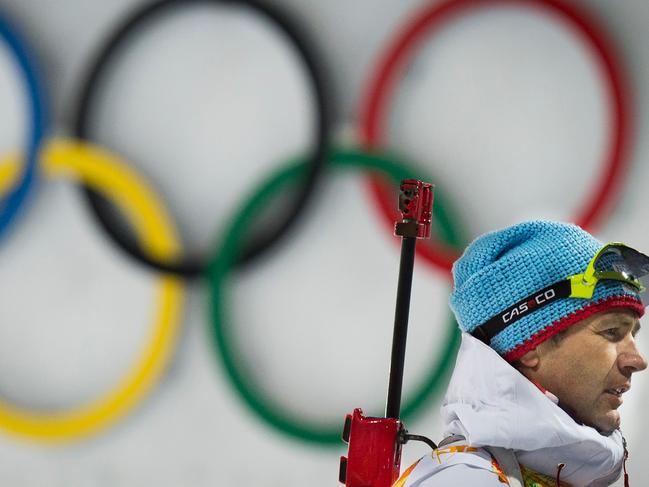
491,404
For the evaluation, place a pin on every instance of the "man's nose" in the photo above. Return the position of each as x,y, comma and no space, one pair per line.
631,360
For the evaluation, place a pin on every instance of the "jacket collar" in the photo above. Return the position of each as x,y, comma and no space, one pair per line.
490,403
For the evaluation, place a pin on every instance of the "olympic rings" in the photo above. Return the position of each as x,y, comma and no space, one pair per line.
220,271
375,103
159,247
104,172
193,267
11,204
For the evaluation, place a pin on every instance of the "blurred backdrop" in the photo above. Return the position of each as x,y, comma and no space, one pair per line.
513,109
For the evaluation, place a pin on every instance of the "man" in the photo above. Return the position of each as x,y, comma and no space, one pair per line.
549,317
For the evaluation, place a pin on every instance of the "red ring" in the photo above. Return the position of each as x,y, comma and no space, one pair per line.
374,107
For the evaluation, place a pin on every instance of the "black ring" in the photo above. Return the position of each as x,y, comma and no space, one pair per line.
192,266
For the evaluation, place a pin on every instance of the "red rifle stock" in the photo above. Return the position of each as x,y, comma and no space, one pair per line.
374,452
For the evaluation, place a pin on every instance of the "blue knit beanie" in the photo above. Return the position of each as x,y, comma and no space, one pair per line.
501,268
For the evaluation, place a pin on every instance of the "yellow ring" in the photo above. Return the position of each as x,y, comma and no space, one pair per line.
106,173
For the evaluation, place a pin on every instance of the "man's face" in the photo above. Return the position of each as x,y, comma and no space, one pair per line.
591,366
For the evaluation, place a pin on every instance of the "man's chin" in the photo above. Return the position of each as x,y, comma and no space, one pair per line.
608,423
605,422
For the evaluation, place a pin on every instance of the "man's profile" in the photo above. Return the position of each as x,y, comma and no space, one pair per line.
549,317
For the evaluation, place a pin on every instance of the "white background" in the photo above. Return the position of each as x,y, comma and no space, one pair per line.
503,107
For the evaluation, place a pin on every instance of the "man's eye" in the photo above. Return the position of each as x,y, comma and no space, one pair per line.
611,333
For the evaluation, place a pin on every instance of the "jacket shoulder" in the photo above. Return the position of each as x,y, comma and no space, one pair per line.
457,466
463,476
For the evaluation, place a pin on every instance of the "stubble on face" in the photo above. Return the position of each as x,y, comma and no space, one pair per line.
583,365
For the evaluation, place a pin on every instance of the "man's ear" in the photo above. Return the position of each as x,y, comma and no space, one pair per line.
530,359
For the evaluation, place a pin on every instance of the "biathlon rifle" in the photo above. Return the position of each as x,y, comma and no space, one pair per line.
374,453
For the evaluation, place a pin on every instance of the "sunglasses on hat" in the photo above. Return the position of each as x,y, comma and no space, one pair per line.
615,261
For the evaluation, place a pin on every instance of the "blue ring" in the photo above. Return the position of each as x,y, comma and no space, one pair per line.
11,204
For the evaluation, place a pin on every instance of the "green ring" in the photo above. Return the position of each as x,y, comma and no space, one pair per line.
219,270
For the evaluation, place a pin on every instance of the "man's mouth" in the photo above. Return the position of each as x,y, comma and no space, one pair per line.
618,391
